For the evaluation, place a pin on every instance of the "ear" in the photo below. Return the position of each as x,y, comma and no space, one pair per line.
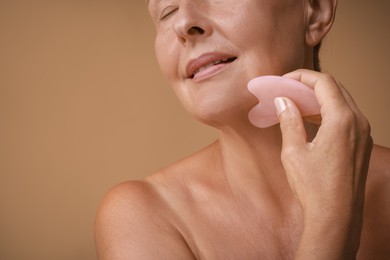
319,20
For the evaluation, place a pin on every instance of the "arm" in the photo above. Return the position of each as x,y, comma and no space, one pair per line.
328,175
376,228
132,224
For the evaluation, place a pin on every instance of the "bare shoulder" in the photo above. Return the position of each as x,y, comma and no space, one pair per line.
380,160
141,219
133,223
376,228
379,171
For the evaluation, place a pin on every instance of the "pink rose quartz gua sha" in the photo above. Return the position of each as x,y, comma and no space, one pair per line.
267,88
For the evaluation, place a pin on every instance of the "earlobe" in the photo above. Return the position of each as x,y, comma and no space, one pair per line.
319,19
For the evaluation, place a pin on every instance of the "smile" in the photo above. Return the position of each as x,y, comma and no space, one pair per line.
207,65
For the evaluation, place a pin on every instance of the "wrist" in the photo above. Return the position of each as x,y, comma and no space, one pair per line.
332,235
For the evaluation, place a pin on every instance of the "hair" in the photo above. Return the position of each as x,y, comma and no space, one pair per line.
316,59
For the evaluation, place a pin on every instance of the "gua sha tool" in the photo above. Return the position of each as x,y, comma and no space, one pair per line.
267,88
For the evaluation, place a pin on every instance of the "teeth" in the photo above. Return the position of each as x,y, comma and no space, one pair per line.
210,65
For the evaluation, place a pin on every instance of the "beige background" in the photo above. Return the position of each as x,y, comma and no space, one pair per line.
83,107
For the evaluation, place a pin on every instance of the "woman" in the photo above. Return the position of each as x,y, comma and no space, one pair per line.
294,190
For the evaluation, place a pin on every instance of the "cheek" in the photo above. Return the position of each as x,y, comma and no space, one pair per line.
275,33
167,56
276,50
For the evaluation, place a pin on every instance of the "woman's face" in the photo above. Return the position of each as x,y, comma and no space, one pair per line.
209,49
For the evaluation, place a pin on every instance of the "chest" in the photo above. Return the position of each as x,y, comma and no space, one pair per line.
226,233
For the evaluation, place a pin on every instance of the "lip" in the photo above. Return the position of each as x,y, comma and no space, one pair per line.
195,64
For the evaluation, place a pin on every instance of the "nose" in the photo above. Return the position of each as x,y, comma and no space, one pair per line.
191,24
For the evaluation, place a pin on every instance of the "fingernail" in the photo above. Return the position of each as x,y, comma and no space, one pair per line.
280,105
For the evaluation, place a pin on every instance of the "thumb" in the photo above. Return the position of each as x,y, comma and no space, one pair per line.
291,123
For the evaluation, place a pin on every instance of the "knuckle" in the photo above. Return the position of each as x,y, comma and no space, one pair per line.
327,78
354,127
370,142
366,127
349,117
345,118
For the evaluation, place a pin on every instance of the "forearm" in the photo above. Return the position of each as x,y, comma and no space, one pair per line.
328,175
336,237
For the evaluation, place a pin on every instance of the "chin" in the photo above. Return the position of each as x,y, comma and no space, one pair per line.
219,100
223,111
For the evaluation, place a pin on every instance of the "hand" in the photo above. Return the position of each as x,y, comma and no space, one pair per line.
327,175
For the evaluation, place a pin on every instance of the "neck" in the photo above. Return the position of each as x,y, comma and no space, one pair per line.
251,164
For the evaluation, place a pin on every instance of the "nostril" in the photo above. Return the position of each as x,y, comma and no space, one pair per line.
195,30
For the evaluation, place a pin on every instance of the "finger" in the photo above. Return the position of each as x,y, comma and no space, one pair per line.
361,120
337,116
291,123
326,88
350,101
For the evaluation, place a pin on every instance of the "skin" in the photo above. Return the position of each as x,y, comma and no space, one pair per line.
295,190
